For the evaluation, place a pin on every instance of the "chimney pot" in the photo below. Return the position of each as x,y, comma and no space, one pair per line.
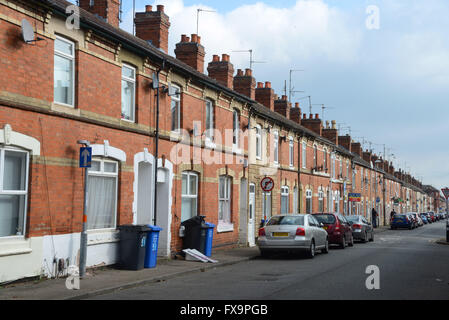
304,116
267,84
183,38
296,104
148,8
284,97
248,72
198,39
194,38
215,58
160,8
334,124
259,84
311,116
239,72
225,57
317,116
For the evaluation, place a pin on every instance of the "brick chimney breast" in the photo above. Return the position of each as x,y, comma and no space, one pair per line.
109,10
222,71
153,26
295,113
345,142
314,124
265,95
191,52
282,106
245,83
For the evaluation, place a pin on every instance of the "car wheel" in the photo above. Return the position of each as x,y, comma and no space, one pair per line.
311,252
343,242
393,228
326,247
351,243
365,238
264,254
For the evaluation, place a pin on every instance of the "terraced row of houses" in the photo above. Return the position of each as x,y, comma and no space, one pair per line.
219,135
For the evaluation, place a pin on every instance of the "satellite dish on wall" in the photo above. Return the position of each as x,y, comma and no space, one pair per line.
28,32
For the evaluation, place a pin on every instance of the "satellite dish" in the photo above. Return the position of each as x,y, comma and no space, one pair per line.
27,31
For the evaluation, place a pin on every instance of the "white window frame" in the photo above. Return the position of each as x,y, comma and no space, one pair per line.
309,195
188,195
15,192
268,212
134,82
291,148
320,200
276,147
236,129
209,126
72,60
285,197
304,155
225,225
177,99
102,173
258,142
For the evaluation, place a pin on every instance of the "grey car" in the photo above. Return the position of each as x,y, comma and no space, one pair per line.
293,233
361,228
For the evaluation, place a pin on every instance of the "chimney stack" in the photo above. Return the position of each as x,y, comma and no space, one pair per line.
314,124
356,148
331,133
295,113
282,106
109,10
191,52
245,83
153,26
265,95
367,156
345,142
222,71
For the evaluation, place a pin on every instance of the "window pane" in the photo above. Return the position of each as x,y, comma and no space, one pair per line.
15,169
64,47
63,83
193,184
128,72
174,115
127,100
101,202
184,184
12,211
188,208
110,167
95,166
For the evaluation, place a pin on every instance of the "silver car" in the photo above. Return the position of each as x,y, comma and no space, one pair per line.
293,232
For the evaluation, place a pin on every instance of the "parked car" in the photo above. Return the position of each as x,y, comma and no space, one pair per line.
293,233
402,220
361,228
424,218
337,227
418,220
414,219
429,218
432,216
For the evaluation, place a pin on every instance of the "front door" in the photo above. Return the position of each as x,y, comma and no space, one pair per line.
251,213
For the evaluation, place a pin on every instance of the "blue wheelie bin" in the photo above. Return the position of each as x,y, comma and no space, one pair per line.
151,247
209,238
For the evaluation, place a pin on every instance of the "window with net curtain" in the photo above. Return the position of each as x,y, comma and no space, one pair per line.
13,191
309,201
224,199
128,92
175,107
102,194
189,195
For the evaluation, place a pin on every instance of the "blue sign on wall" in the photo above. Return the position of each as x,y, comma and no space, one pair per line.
85,157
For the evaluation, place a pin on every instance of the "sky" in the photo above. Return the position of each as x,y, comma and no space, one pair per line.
383,73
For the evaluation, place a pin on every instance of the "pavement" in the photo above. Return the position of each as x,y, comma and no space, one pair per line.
104,280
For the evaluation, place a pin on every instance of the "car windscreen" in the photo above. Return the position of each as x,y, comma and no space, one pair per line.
286,220
325,218
353,218
399,216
